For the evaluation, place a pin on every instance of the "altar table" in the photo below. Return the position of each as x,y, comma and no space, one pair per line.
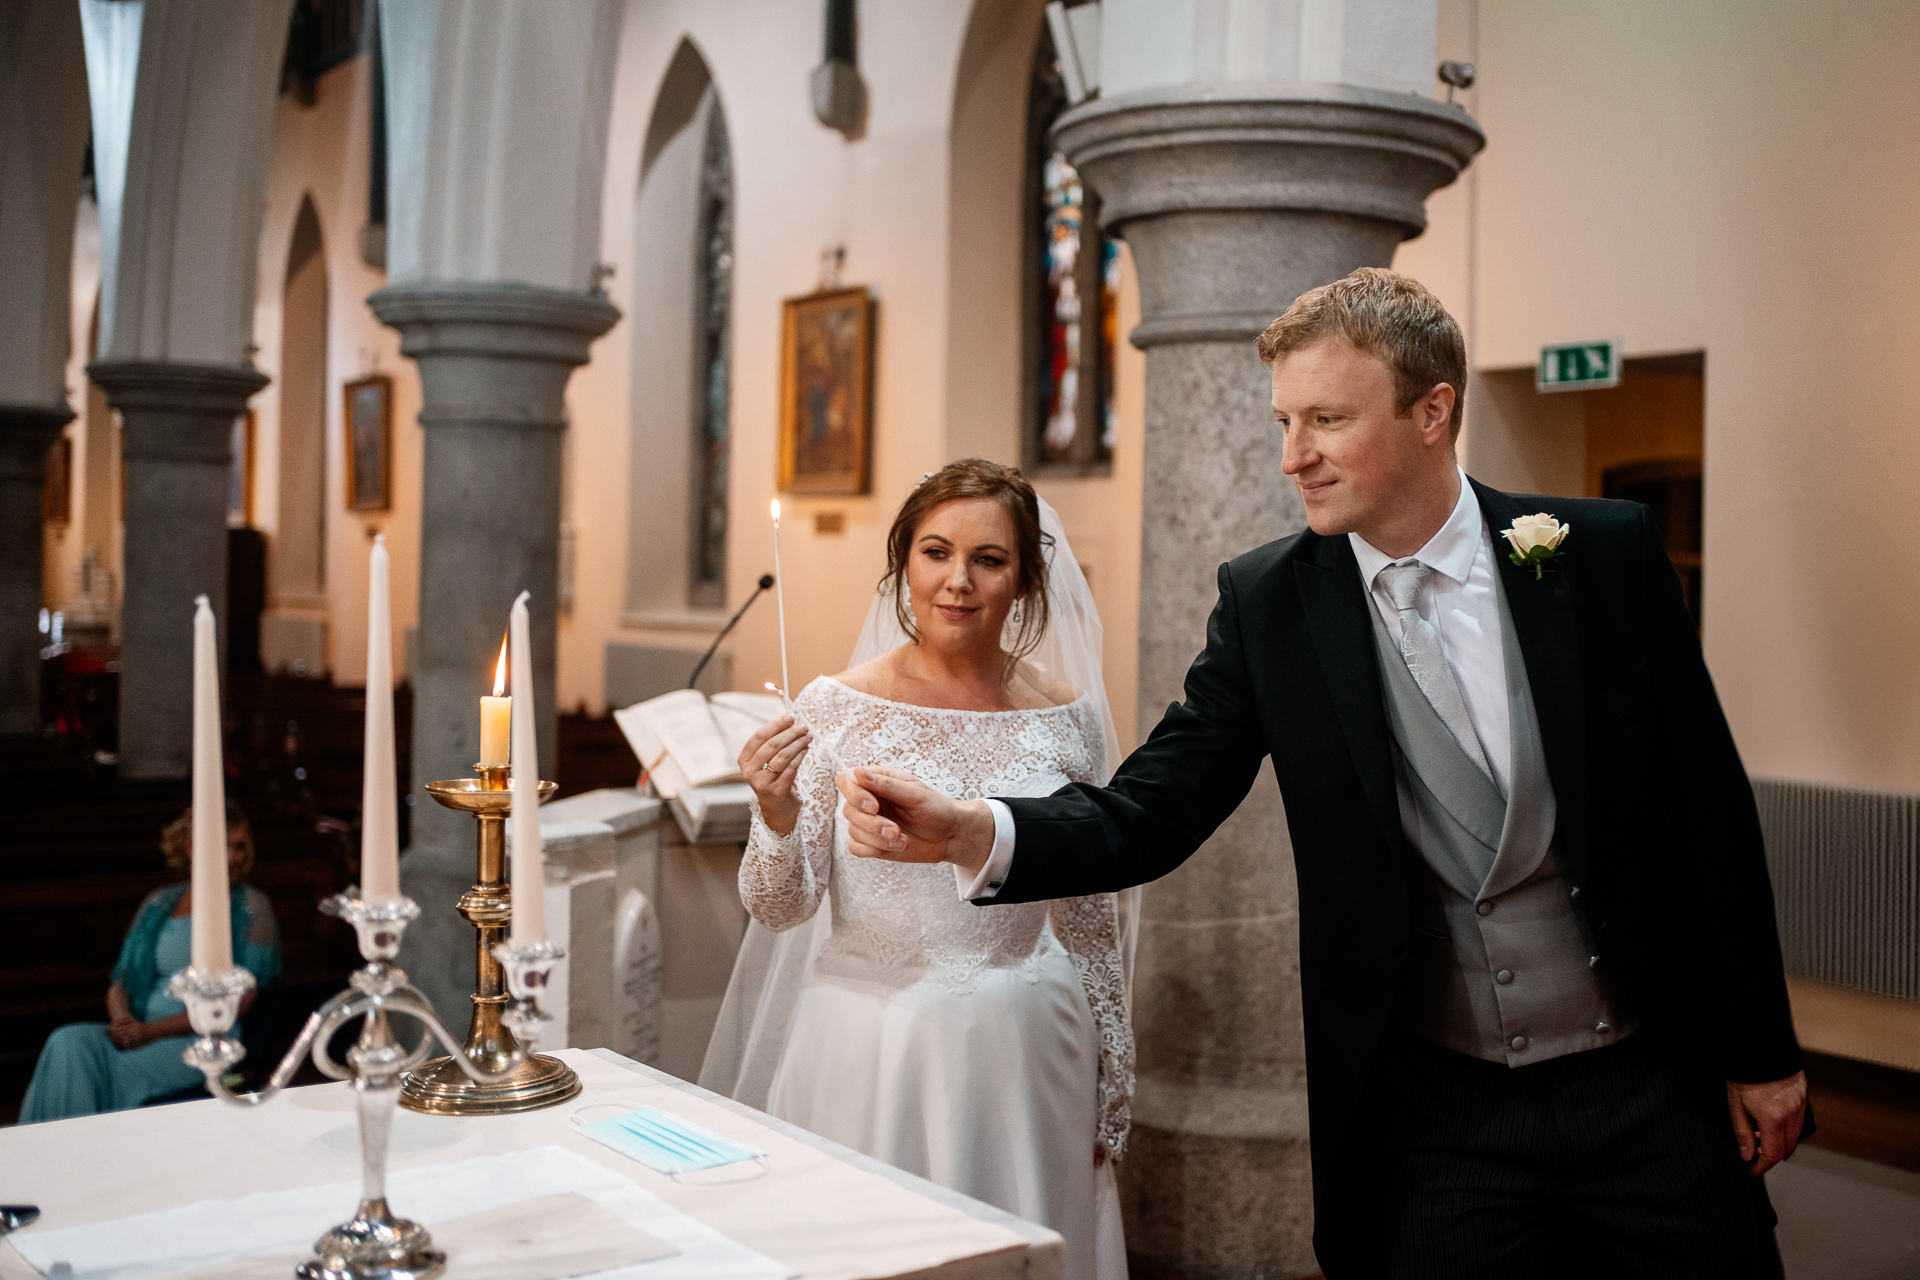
827,1212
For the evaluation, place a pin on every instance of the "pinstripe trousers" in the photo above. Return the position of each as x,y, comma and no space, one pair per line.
1597,1164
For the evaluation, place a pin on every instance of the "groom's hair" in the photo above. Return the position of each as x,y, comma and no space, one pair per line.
1393,318
977,478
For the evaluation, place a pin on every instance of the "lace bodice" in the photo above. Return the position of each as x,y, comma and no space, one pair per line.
906,923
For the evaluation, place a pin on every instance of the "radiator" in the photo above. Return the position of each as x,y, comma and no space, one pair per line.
1846,883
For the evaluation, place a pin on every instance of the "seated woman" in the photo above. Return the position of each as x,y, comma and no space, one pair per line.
90,1067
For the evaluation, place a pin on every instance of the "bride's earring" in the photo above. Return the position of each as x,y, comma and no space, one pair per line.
1016,613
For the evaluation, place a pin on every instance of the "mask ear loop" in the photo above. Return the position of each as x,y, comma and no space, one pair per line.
686,1177
579,1115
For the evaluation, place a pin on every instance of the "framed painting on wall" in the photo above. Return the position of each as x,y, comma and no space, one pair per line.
370,443
826,393
240,474
56,493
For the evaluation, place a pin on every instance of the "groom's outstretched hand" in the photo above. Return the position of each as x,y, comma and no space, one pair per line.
893,815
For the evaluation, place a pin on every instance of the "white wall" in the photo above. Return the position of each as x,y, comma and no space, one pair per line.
665,339
947,350
1725,176
799,187
322,151
94,508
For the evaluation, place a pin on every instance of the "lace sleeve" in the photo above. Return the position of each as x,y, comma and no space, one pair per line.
783,878
1089,928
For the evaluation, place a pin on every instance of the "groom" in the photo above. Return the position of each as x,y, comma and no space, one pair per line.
1538,956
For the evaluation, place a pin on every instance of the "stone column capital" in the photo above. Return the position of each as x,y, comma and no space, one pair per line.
177,386
26,431
494,319
174,410
1232,169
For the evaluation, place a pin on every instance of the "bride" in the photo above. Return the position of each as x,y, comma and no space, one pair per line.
988,1051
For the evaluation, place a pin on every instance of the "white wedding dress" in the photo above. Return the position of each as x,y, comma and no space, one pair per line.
986,1048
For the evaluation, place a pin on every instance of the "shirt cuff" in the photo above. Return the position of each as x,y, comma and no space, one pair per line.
993,873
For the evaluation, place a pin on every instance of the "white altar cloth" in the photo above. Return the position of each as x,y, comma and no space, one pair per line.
204,1237
821,1211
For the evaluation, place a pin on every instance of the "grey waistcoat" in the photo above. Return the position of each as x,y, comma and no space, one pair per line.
1500,965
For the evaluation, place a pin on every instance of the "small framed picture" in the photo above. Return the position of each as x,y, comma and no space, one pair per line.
240,474
370,443
56,494
826,393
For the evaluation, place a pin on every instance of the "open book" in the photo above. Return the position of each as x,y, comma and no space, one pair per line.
686,739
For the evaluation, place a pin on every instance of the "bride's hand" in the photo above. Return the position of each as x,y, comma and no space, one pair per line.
770,762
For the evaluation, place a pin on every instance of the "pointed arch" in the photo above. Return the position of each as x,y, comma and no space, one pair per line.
299,565
986,255
683,248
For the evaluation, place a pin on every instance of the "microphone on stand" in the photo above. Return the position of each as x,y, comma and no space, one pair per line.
766,584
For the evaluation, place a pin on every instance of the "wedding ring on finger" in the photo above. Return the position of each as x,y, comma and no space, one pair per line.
768,768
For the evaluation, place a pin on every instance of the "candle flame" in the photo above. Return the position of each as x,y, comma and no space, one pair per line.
500,673
776,510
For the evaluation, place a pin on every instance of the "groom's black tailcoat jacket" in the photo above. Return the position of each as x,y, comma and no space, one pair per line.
1656,816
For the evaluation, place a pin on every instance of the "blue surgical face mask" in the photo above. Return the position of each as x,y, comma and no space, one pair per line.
666,1143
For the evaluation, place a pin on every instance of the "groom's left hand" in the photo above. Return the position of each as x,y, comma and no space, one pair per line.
1767,1118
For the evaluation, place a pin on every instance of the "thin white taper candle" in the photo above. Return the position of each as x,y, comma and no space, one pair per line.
529,898
780,599
212,931
379,812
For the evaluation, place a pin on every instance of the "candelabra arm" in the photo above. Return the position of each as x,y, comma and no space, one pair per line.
378,989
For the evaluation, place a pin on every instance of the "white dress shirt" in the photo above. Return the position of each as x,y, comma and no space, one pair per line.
1460,599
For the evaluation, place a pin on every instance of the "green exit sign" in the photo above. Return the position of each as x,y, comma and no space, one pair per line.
1579,366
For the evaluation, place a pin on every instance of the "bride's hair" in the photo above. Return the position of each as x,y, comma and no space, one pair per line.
977,478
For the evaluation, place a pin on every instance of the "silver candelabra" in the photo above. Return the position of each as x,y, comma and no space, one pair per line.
373,1244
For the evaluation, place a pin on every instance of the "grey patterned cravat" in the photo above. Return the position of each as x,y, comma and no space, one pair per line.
1420,646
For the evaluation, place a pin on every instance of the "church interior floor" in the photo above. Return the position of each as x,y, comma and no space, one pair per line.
1849,1200
1140,1267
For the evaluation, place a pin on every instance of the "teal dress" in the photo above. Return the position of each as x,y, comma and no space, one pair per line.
82,1073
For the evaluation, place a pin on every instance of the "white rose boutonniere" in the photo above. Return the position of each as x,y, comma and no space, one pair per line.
1536,539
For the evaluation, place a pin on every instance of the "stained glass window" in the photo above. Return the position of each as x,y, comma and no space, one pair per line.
1075,278
708,579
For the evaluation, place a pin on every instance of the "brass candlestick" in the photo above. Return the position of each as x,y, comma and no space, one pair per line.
441,1087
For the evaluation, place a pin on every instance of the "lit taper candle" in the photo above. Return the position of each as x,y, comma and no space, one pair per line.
212,911
379,811
529,897
496,714
780,599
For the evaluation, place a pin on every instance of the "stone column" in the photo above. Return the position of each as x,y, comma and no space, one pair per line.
26,432
494,361
176,440
1234,199
43,133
